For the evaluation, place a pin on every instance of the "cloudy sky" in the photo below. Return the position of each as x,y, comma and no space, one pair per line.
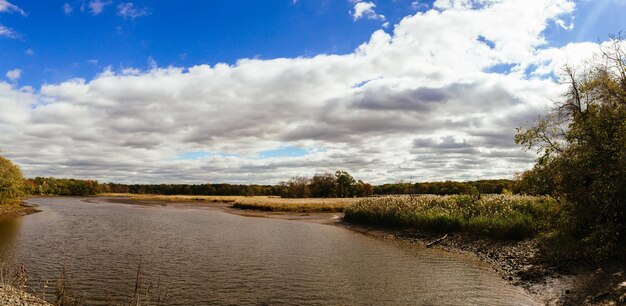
259,91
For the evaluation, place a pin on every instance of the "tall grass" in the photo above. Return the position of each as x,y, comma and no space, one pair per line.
497,216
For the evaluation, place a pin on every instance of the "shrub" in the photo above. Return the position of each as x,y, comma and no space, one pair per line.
11,181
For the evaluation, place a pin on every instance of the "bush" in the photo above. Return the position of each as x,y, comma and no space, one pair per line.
11,181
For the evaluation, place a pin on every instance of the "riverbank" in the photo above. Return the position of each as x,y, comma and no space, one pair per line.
10,296
12,211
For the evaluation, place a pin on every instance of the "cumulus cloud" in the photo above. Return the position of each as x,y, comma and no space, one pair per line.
14,74
365,10
128,10
420,101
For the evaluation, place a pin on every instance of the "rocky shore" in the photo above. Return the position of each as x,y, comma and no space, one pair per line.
10,296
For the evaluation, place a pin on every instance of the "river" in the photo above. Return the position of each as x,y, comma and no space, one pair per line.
211,257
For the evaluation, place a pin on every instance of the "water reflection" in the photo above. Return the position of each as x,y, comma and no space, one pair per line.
9,231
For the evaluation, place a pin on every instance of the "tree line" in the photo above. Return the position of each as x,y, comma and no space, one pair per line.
453,187
341,184
325,185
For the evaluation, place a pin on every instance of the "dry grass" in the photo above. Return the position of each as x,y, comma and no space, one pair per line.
295,205
263,203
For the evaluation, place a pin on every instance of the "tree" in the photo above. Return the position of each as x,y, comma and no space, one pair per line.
583,152
11,182
323,186
297,187
364,189
346,185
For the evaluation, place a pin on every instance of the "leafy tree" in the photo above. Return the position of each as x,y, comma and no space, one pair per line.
583,153
297,187
323,186
346,185
11,182
364,189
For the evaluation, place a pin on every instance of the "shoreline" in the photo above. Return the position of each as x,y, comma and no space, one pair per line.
20,210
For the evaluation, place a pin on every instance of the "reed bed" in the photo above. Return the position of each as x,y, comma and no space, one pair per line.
497,216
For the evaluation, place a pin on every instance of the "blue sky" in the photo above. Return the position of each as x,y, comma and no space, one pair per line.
431,90
187,33
179,33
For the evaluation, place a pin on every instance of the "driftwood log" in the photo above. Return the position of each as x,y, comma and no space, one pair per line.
428,245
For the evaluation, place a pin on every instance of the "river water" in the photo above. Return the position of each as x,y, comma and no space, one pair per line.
210,257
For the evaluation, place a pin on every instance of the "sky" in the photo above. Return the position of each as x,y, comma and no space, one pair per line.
260,91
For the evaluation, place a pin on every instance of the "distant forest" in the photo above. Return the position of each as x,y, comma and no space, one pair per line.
341,184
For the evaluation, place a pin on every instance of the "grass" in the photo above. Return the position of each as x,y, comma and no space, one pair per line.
497,216
262,203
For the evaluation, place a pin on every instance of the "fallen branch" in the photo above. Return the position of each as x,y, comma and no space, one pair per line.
428,245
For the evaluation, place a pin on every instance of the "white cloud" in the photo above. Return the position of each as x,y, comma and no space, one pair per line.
67,9
7,7
562,24
14,74
7,32
365,10
417,102
29,51
96,7
128,10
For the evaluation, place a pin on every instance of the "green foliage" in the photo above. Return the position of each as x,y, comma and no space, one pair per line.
585,164
11,181
497,216
327,185
323,186
64,187
346,185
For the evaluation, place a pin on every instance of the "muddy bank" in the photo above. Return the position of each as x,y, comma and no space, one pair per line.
12,211
224,207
